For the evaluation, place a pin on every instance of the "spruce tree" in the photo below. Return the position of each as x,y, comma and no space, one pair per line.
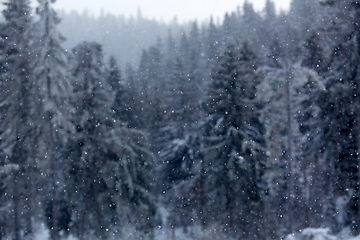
289,112
123,98
52,93
213,42
109,152
93,101
17,112
340,106
232,162
179,151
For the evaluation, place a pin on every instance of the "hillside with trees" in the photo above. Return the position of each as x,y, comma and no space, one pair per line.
135,129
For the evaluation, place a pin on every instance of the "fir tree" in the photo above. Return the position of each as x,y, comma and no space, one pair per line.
93,117
17,112
120,162
179,154
213,42
231,167
122,101
289,108
341,101
53,86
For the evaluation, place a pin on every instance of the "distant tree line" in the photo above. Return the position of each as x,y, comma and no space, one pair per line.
247,129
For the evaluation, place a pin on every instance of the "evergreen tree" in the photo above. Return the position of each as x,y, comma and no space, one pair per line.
109,152
270,11
233,159
184,49
156,82
134,115
53,86
340,104
250,26
288,113
213,42
93,102
268,27
314,53
122,102
195,48
226,31
17,112
150,93
180,149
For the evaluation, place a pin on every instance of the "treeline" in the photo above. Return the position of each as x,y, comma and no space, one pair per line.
124,38
248,129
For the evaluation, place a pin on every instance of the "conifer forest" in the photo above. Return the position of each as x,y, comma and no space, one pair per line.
129,128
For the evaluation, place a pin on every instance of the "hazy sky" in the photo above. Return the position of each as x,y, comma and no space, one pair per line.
185,10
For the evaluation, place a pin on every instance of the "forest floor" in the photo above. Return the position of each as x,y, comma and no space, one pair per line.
42,233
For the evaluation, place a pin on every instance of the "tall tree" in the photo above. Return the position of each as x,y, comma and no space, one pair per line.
213,41
16,126
180,148
53,86
122,102
284,92
233,157
341,106
109,152
93,101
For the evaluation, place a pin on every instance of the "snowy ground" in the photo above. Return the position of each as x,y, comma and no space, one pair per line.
307,234
321,234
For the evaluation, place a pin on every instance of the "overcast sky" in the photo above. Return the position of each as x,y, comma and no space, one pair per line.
165,10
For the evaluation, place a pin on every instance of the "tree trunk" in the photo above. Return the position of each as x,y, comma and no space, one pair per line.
201,199
54,208
173,237
28,201
290,158
16,206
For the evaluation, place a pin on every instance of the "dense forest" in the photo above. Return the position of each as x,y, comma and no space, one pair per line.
242,129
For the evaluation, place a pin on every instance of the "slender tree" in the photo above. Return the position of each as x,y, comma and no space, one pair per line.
287,102
53,86
16,126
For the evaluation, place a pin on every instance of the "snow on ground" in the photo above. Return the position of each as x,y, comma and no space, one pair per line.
321,234
312,234
42,233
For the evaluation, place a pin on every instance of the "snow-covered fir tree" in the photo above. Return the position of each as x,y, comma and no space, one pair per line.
287,114
340,106
121,164
17,111
52,92
180,149
232,158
